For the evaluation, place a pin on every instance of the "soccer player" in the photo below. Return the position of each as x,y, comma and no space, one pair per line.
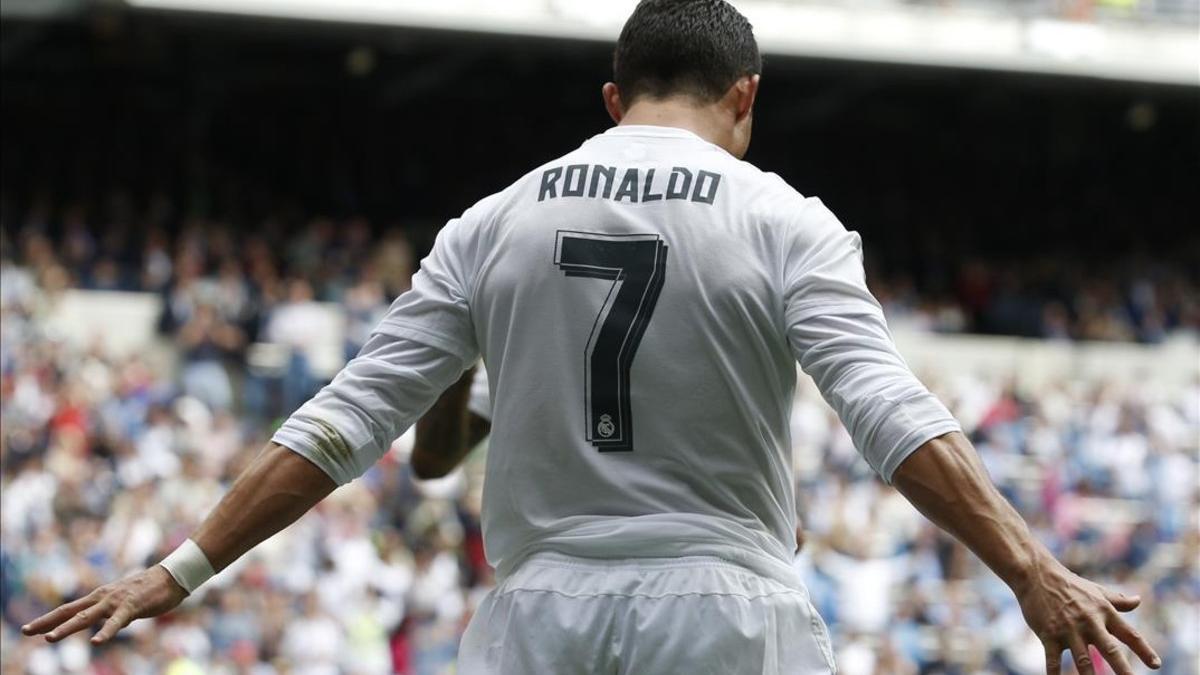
640,304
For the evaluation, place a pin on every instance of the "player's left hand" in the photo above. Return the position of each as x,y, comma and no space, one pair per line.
148,593
1068,612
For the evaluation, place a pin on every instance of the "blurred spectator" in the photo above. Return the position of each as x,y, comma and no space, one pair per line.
365,305
204,340
294,323
313,642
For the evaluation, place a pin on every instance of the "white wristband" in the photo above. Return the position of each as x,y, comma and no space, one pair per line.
188,566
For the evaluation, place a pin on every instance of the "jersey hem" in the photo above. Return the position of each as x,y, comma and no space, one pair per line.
647,596
749,559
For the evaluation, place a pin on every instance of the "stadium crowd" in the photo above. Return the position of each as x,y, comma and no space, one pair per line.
1135,300
227,282
108,462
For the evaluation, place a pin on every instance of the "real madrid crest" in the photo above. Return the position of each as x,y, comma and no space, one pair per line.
605,426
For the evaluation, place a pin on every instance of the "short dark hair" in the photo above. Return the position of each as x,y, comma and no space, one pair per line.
693,47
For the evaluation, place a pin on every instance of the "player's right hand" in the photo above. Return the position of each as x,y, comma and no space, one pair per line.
148,593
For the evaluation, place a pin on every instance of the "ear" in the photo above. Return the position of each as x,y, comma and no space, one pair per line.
612,102
746,89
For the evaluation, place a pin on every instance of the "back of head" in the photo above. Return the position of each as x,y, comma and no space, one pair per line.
696,48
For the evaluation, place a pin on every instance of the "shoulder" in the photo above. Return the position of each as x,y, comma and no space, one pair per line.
470,236
761,191
765,183
482,212
494,207
771,200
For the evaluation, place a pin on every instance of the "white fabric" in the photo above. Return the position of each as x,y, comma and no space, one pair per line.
697,615
380,393
480,400
754,276
188,566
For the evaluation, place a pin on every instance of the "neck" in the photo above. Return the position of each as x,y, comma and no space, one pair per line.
707,122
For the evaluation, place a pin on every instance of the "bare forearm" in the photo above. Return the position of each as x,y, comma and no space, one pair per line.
946,482
276,489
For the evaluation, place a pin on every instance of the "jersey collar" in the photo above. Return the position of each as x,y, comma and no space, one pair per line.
651,131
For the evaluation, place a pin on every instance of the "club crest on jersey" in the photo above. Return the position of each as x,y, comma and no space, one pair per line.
605,426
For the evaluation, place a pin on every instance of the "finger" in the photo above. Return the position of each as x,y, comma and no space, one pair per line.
1054,660
1079,652
78,622
1122,602
1113,654
1129,635
58,615
115,623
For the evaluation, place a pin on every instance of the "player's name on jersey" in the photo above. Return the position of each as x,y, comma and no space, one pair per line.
630,185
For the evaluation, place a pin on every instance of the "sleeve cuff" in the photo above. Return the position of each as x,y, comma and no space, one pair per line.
910,443
304,443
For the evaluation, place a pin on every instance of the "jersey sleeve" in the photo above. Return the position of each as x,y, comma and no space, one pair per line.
837,332
380,393
436,310
418,350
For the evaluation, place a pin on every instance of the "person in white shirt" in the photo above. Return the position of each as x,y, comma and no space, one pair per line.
640,304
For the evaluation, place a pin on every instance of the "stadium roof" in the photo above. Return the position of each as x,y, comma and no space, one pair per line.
1140,49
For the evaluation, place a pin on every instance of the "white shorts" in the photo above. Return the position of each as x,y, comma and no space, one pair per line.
558,615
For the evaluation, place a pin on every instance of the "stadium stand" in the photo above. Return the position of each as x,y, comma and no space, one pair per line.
180,198
110,455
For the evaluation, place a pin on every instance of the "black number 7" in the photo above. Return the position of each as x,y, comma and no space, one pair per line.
636,266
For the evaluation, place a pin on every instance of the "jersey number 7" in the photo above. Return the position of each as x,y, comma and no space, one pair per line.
636,266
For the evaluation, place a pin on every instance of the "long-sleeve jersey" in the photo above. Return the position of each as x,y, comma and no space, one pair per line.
640,304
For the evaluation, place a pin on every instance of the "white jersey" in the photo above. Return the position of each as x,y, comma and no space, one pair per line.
640,304
479,402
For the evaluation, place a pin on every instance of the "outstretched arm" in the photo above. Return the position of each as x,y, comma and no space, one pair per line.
419,349
839,335
278,487
331,440
947,483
